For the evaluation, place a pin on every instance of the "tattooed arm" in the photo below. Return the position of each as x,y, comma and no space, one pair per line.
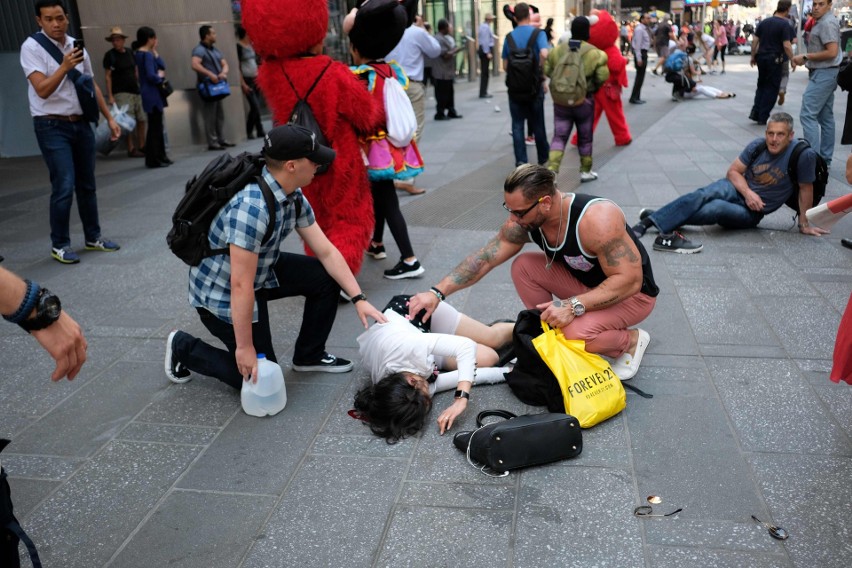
508,241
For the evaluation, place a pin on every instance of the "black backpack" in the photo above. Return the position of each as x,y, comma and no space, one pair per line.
523,72
820,181
302,115
205,196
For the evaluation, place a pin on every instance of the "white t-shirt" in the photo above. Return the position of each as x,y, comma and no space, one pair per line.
64,99
398,346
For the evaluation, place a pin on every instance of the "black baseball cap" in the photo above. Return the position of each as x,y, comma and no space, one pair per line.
291,142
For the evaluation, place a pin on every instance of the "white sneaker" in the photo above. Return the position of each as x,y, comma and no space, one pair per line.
627,365
588,176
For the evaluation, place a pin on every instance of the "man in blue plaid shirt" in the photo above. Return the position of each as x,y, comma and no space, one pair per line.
230,292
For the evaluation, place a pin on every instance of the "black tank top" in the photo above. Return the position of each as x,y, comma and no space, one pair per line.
584,267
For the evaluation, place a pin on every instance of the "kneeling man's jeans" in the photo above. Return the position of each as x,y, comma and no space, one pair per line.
717,203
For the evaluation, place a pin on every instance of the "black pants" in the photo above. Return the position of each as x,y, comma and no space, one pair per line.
298,275
386,209
155,144
640,75
484,65
769,70
444,96
253,119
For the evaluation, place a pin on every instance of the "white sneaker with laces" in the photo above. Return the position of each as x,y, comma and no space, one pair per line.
588,176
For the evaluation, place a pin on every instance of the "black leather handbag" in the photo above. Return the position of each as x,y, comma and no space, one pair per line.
520,441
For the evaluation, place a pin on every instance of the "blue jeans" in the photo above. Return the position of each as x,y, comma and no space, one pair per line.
717,203
817,114
298,275
68,149
532,111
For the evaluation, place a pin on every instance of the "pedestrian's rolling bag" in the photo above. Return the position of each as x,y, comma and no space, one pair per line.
519,441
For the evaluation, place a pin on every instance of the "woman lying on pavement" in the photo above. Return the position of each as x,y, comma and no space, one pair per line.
404,358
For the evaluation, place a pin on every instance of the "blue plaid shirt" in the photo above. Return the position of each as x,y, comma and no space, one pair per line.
242,222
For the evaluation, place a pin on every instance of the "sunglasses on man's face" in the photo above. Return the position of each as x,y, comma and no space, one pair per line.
520,214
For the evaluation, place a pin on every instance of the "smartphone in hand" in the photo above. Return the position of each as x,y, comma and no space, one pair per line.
79,44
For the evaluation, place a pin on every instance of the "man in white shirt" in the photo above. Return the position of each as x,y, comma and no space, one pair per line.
485,37
64,136
415,46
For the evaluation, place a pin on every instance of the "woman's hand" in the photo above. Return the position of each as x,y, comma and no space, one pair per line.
448,417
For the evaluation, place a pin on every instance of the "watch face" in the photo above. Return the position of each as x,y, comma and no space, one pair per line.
579,309
51,306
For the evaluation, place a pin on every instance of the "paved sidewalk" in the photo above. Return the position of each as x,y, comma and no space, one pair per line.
121,468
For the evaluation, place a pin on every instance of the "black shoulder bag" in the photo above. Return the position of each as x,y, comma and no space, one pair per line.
520,441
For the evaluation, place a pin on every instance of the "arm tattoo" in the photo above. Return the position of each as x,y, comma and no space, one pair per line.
617,249
515,234
609,302
468,270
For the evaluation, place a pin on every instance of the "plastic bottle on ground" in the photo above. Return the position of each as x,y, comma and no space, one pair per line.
268,396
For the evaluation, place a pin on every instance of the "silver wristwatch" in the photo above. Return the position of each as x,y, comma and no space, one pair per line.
577,306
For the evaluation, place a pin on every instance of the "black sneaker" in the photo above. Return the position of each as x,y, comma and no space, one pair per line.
377,251
328,364
402,270
639,230
175,370
675,242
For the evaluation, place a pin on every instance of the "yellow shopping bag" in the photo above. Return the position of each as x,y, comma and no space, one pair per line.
590,388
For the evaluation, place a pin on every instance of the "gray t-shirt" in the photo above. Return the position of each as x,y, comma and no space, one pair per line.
210,59
825,31
766,174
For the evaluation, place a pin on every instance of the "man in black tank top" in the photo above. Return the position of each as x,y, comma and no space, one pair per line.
593,278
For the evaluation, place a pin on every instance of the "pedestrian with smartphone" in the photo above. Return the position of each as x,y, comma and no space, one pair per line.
66,139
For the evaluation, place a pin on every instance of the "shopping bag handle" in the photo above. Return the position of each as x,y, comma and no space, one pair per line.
486,413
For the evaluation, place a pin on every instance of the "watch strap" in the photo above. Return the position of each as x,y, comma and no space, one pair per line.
359,297
462,394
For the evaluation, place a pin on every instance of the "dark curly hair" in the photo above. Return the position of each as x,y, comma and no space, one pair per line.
394,409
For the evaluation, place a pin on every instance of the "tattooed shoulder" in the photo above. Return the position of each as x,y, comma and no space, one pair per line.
617,249
513,233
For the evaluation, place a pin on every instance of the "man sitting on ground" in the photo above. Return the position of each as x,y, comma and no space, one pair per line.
757,184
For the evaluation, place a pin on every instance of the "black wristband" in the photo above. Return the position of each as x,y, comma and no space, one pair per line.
358,298
462,394
438,293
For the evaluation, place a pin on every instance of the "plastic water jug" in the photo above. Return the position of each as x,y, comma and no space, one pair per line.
269,395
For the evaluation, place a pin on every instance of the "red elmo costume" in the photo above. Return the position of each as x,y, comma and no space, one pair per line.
603,34
288,35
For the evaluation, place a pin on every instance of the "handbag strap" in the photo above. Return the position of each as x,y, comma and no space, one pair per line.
216,63
483,467
637,390
486,413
